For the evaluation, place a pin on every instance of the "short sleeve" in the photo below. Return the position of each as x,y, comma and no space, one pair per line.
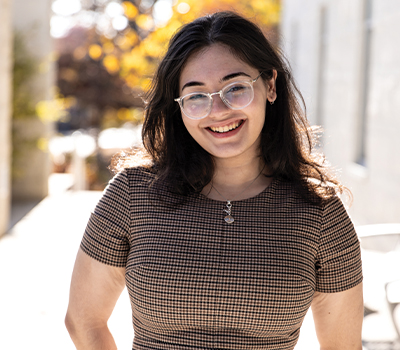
338,264
106,237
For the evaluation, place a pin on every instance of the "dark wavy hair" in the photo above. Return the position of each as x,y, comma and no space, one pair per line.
287,143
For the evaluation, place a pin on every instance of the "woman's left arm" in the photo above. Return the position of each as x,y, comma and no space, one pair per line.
338,319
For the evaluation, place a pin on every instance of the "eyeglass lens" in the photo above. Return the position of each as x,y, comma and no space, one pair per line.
237,95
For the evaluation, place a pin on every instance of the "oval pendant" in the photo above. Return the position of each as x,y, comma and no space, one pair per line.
229,219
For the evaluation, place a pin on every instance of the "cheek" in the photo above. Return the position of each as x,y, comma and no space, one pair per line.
186,123
263,109
258,113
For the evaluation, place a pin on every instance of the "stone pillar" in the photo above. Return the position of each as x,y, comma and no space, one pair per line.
31,19
347,61
5,112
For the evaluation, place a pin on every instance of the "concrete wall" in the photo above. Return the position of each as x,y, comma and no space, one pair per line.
32,19
5,112
345,58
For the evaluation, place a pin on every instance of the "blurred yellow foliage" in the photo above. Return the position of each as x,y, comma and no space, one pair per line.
43,144
138,115
124,114
111,63
53,110
132,80
123,42
95,52
130,10
108,47
151,47
131,37
136,58
109,119
114,117
145,83
145,22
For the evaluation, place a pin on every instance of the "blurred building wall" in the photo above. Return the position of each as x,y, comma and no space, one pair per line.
32,20
346,60
5,112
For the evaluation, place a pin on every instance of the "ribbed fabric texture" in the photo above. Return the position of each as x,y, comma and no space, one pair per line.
196,282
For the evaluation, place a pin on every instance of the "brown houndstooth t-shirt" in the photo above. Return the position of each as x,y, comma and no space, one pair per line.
196,282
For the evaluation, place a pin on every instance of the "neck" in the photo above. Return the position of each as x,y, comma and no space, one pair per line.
236,174
237,181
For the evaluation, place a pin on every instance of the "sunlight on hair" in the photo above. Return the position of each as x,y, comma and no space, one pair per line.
136,156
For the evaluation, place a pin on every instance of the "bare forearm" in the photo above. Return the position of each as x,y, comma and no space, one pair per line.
95,288
340,347
338,319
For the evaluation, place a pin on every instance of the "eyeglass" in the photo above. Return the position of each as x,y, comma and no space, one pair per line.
236,95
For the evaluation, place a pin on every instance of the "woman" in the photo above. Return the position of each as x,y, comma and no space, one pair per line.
235,229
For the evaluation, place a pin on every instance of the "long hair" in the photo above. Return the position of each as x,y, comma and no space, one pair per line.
287,142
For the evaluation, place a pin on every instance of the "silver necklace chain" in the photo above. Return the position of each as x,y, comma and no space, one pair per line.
229,218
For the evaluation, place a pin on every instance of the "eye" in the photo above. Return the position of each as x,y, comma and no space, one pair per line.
196,97
237,89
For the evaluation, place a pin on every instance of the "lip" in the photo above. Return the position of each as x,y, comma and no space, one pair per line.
228,133
225,123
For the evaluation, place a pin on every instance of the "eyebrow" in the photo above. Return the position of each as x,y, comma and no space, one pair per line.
225,78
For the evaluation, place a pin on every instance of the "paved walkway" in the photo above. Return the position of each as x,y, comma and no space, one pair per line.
36,261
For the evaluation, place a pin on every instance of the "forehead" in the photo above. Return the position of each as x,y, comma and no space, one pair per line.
213,62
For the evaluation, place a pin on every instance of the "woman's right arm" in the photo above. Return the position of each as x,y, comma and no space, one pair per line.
95,289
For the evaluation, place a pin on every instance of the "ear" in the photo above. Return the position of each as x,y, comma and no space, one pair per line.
271,87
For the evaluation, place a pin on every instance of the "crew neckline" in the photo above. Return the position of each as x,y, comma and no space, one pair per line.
266,190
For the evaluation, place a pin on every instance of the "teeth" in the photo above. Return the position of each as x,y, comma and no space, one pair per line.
226,128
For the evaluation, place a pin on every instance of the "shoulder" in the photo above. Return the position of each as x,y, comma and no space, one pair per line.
144,183
133,177
329,214
336,218
292,192
125,184
137,176
288,194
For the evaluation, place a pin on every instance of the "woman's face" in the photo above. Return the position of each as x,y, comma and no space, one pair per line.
225,133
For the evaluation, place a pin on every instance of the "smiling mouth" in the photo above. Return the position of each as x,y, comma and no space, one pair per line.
227,128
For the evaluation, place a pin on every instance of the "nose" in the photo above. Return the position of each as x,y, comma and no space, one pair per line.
218,106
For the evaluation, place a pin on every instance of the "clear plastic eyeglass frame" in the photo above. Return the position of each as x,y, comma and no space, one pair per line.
221,94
